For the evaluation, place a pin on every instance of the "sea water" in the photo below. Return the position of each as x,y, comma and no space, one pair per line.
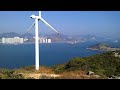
15,56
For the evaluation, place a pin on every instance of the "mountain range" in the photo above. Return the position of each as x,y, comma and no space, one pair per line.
57,38
54,37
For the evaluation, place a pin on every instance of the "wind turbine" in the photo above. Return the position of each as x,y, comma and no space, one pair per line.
37,18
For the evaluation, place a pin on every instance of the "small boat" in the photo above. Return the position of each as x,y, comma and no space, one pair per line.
115,41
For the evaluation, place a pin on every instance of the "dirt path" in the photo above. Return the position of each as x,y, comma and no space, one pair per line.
41,76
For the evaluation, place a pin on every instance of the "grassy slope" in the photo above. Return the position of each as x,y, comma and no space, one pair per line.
105,64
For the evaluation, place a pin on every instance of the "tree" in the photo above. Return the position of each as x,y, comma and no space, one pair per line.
76,63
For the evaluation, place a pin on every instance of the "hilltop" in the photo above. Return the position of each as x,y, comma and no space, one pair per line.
100,66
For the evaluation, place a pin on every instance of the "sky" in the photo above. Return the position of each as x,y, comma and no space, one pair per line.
66,22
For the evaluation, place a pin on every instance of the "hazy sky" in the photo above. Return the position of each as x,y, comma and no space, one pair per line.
66,22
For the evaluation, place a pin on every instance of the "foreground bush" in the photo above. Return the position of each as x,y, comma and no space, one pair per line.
10,74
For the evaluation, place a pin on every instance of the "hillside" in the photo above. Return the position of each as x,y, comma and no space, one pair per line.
100,66
105,64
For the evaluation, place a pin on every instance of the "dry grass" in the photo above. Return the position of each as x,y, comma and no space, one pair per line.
48,73
31,69
30,72
46,70
72,75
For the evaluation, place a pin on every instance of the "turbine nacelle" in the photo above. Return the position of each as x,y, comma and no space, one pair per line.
33,16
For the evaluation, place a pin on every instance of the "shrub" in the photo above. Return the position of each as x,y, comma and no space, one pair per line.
76,63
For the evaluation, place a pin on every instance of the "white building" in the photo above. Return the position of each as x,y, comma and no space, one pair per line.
49,40
3,40
12,40
21,40
41,40
44,40
25,39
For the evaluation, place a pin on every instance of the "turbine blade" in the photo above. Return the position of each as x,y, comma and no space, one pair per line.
30,28
40,14
48,25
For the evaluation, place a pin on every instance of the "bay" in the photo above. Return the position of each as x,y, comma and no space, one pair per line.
15,56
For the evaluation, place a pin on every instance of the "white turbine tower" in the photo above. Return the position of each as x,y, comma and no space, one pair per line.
37,18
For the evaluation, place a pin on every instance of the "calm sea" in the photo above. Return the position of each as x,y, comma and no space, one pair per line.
15,56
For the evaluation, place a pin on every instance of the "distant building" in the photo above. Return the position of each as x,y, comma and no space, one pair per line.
12,40
44,40
3,40
41,41
49,40
25,39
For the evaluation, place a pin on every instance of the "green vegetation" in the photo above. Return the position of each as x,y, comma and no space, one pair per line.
104,64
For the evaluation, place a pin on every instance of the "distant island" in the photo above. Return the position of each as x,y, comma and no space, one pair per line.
102,47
